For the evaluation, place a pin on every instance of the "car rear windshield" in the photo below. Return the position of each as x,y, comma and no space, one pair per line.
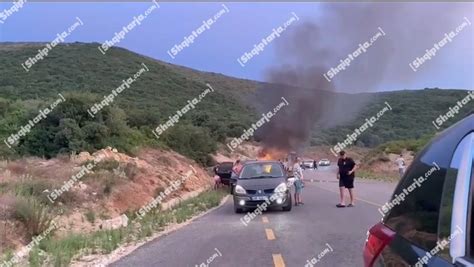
261,170
420,208
225,167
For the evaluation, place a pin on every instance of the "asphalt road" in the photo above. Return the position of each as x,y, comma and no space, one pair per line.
332,236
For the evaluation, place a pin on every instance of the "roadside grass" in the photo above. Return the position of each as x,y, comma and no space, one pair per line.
369,175
37,258
60,252
7,255
35,216
31,187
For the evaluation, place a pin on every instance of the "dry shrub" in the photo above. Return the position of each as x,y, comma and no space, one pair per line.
17,167
109,165
35,216
384,158
7,202
3,164
63,158
165,161
131,170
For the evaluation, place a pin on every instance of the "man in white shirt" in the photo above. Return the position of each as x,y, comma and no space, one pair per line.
401,165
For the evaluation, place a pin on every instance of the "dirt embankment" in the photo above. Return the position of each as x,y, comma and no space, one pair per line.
118,184
384,165
324,152
372,163
247,150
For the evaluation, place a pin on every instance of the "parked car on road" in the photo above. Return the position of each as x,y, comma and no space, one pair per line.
429,220
324,162
224,171
307,164
259,182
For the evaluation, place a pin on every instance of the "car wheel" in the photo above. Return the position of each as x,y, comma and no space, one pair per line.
288,207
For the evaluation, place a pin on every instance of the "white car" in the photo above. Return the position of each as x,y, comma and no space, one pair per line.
308,164
324,162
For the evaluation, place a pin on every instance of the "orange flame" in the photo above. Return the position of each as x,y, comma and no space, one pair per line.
271,154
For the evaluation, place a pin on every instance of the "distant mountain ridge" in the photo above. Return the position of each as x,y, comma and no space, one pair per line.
81,69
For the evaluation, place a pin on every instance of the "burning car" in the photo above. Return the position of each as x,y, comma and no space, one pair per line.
261,182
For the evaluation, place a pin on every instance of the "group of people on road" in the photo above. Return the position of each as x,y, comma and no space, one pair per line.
345,175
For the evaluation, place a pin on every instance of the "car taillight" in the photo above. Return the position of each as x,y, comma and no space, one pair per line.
379,237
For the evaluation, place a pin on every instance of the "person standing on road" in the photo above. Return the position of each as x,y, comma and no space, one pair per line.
237,167
315,165
299,182
401,165
217,178
346,176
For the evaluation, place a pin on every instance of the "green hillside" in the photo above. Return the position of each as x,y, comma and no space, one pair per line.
84,76
410,118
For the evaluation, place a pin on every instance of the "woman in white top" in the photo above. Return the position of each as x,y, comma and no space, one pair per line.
299,183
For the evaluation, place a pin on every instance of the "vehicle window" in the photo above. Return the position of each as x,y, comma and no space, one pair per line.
262,170
225,167
447,200
471,228
415,206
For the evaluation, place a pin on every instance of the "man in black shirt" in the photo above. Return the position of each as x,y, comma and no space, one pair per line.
346,176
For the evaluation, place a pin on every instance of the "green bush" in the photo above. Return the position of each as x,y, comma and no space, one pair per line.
127,123
90,216
191,141
29,187
396,147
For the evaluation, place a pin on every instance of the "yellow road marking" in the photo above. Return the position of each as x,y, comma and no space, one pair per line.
363,200
270,234
278,260
264,219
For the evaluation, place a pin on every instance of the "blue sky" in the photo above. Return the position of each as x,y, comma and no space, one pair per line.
216,49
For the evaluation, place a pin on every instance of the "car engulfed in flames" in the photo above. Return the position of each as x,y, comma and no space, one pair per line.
272,154
288,159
